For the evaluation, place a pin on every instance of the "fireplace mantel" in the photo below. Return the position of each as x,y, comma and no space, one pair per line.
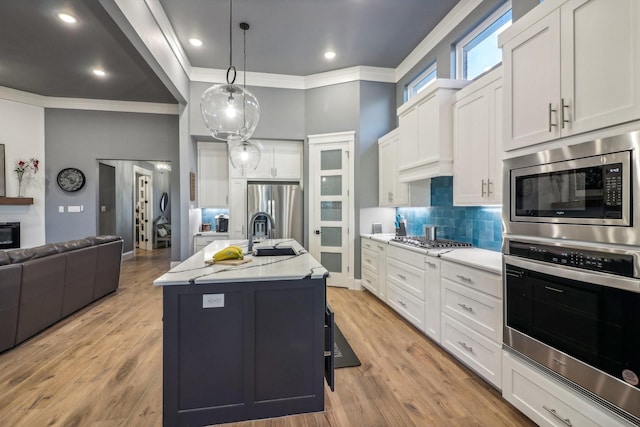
16,200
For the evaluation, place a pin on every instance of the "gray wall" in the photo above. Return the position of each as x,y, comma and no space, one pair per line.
78,138
282,112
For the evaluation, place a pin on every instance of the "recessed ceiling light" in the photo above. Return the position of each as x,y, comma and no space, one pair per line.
69,19
98,72
195,42
329,54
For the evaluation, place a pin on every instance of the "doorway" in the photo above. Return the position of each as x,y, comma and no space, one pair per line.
331,212
107,200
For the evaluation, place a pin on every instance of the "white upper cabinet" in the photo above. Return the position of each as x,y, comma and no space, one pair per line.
570,67
279,160
213,175
477,142
425,125
392,192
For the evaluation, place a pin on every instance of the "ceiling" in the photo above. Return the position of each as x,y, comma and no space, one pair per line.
42,55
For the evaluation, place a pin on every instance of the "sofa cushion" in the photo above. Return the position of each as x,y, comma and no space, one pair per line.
98,240
19,255
4,258
79,279
44,251
73,245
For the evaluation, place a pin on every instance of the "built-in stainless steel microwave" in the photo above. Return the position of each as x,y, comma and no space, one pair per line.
581,192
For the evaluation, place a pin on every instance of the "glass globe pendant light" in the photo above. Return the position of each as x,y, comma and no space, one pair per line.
231,112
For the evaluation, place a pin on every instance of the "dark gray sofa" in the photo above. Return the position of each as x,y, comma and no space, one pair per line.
41,285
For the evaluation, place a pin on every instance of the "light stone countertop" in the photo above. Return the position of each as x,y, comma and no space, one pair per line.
484,259
193,270
211,233
379,237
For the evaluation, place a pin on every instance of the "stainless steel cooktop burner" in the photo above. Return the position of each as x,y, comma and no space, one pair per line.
423,242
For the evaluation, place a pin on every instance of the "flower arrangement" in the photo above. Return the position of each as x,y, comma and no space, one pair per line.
25,166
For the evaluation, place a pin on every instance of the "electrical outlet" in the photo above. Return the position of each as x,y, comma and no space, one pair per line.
212,300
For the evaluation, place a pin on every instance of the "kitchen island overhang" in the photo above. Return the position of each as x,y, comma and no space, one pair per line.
243,342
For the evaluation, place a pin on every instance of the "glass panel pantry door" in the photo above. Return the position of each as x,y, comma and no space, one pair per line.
329,238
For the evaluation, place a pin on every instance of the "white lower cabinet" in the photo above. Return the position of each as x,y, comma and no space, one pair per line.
475,350
547,401
471,305
406,285
373,264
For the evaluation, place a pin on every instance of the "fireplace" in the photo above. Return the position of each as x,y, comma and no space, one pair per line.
9,235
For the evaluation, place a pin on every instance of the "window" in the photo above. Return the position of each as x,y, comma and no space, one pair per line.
479,50
418,84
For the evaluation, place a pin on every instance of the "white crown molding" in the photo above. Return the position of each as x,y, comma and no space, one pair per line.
282,81
444,27
376,74
86,104
158,13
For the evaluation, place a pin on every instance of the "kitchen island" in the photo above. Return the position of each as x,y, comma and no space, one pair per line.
243,341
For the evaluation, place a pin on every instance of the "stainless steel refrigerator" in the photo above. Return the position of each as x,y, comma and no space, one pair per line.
283,201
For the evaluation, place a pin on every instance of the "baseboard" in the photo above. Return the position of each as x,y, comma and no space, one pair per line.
128,255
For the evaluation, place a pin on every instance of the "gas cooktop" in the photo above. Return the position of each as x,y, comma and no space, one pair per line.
423,242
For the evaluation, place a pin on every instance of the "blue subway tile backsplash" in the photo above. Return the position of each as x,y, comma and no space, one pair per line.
480,226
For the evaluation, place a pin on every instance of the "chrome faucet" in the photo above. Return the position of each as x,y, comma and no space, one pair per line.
252,224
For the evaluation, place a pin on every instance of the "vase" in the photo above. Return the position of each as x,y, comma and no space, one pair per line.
20,184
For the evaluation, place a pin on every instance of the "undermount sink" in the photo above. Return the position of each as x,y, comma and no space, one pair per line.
274,251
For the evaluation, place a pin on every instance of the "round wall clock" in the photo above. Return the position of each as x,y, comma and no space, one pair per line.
71,179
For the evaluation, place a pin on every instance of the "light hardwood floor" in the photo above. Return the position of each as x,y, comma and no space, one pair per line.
102,366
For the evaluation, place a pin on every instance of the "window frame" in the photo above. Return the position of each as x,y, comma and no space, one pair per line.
482,26
416,85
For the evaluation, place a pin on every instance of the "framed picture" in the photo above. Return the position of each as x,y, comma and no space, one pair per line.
192,186
3,189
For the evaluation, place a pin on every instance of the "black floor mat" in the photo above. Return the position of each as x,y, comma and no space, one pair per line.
343,354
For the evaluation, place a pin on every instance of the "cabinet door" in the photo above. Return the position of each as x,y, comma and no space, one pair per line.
237,209
213,175
600,63
408,123
287,160
471,148
429,129
385,173
531,65
432,300
495,150
264,169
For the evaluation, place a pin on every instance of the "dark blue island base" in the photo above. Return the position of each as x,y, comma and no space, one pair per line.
242,351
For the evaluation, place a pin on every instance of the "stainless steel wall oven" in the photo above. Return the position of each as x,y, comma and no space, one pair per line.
572,266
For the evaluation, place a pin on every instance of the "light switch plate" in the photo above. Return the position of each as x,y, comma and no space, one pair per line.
212,300
61,209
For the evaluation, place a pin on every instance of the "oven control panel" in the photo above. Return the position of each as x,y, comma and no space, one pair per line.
619,264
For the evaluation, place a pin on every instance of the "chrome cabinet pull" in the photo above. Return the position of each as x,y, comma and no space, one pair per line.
465,346
369,261
402,304
482,191
402,276
466,307
368,281
431,264
464,278
489,184
560,291
553,412
551,110
563,118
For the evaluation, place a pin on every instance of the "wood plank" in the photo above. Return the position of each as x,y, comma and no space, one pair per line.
102,366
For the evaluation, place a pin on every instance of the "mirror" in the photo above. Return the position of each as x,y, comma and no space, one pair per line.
164,199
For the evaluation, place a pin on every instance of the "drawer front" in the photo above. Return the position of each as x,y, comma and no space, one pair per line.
406,277
369,258
548,402
406,256
367,244
479,280
406,304
479,311
479,353
370,281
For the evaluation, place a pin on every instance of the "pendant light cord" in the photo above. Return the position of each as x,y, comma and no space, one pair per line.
231,67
